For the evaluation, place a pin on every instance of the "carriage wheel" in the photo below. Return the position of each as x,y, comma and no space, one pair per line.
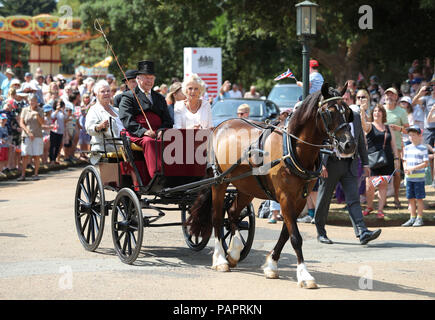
246,228
89,208
194,243
127,225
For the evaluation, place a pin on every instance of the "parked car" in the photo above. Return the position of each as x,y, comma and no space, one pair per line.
285,95
260,110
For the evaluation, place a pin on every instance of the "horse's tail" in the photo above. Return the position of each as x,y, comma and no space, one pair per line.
200,219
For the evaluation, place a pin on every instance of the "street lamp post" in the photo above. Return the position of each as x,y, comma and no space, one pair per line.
305,29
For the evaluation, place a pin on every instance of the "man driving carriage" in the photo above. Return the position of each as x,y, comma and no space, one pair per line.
142,112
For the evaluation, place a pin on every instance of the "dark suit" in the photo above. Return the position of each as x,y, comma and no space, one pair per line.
346,172
117,99
129,109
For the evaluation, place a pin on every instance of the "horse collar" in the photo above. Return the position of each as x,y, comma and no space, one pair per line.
292,162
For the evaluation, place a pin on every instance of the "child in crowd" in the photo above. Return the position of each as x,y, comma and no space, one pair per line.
4,146
415,161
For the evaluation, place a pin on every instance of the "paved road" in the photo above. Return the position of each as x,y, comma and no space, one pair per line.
42,258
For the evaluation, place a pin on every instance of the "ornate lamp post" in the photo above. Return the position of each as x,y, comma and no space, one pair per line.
305,29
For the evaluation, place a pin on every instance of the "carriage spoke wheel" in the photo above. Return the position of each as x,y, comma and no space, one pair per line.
246,226
127,225
194,243
89,208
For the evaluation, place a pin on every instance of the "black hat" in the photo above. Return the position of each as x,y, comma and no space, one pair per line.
130,74
145,67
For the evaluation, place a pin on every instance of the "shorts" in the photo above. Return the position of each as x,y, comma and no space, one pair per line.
415,190
4,151
274,206
32,148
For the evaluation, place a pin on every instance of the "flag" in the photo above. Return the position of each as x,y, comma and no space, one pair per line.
360,77
287,74
378,179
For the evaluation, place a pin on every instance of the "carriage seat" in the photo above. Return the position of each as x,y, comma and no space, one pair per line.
119,154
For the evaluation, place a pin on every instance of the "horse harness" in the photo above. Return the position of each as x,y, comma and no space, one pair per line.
292,164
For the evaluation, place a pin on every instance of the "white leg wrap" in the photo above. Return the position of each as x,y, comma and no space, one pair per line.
305,279
270,268
219,260
236,246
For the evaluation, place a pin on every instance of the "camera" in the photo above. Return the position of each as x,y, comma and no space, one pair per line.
429,89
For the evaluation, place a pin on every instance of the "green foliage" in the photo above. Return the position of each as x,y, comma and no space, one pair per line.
26,7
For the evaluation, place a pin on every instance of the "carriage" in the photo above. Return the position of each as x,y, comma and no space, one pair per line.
139,204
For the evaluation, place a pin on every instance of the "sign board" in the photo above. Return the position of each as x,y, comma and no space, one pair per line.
207,63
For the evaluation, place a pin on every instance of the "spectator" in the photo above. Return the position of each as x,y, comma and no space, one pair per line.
351,85
379,137
193,113
361,97
87,86
349,97
405,103
56,134
110,78
415,161
243,111
14,130
284,114
46,128
31,122
7,82
275,210
163,89
84,137
252,94
38,84
235,92
46,86
224,91
316,79
175,94
52,94
397,119
4,145
426,98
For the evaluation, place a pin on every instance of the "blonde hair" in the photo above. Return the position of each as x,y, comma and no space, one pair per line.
195,79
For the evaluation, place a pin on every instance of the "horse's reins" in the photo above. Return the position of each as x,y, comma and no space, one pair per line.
100,30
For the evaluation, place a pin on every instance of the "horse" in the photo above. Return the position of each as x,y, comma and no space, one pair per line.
289,174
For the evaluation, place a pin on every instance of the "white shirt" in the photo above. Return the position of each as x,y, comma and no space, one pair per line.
235,94
184,119
96,115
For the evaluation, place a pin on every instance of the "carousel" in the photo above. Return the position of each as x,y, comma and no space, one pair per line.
45,34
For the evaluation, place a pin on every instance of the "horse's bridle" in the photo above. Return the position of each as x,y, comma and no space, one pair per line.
326,117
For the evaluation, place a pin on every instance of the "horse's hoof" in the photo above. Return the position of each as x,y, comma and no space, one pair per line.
308,284
231,262
221,268
270,274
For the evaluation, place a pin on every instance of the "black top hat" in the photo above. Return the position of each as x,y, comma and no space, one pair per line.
130,74
145,67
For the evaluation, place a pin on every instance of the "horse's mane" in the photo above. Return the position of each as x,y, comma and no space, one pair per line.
305,113
308,110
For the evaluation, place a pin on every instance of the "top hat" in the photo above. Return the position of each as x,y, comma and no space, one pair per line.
130,74
145,67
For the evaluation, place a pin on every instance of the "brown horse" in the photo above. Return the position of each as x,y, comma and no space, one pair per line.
287,163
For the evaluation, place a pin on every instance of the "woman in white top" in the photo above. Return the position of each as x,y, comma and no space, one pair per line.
98,119
194,112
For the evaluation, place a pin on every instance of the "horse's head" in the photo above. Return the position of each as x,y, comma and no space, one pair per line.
336,116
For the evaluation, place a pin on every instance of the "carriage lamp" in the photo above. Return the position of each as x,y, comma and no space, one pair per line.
305,28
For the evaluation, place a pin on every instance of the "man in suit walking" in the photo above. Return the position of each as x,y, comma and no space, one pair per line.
345,170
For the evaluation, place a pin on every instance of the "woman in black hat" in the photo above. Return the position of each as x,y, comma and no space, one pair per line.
141,106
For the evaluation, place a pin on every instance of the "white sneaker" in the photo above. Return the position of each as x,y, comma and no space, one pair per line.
306,219
418,222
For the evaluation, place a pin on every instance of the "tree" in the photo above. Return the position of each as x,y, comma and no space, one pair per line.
26,7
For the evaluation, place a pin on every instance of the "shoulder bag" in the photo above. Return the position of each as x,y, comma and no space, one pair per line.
378,159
